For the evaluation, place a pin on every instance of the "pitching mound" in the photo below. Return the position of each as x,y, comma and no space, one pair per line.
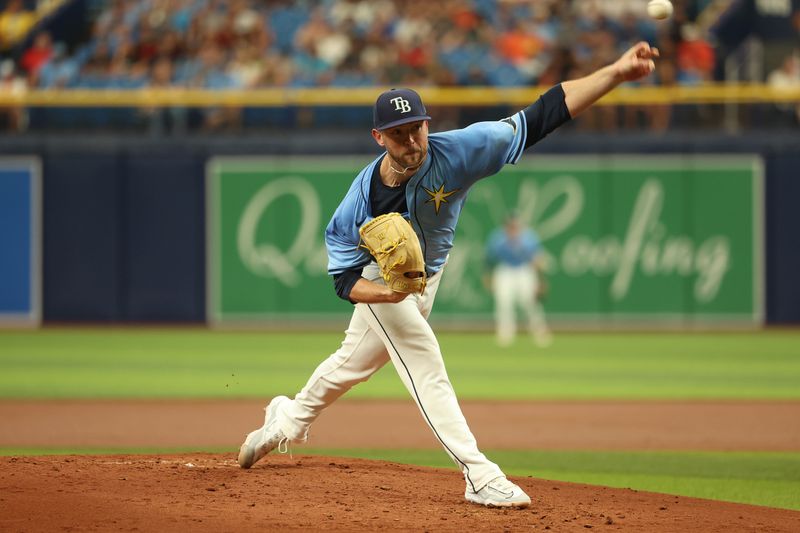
207,492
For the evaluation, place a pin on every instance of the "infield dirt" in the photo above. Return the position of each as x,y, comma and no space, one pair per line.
208,492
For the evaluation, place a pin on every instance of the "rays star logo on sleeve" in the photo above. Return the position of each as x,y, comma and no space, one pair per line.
438,196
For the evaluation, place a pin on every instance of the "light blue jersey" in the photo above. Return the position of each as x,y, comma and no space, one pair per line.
435,194
501,249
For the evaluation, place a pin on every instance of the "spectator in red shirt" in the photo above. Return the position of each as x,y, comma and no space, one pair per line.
695,57
37,55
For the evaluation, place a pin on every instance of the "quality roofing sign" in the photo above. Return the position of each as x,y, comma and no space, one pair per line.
662,239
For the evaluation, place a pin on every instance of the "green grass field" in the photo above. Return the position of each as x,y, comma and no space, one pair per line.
196,363
181,363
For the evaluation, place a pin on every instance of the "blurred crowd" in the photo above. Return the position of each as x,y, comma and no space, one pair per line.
226,44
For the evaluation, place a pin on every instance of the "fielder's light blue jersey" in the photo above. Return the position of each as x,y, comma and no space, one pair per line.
435,194
512,252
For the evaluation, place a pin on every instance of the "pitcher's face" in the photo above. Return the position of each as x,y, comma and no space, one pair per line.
406,144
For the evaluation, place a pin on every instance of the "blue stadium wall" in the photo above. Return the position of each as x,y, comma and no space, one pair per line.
124,218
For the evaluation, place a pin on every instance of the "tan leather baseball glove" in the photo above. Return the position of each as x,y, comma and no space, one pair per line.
395,246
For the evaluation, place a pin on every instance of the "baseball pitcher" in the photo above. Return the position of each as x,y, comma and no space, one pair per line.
388,244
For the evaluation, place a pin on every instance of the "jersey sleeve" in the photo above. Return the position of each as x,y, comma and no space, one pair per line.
481,149
344,283
519,123
545,115
342,238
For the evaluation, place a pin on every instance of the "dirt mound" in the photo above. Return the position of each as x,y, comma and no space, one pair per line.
207,492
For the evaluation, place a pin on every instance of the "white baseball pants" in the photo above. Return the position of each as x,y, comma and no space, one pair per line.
398,332
513,288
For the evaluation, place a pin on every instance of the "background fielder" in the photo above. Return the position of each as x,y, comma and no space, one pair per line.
514,258
425,178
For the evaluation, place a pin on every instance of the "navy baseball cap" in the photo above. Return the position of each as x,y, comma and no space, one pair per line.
398,106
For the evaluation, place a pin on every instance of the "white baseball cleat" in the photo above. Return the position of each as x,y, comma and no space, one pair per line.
266,438
499,492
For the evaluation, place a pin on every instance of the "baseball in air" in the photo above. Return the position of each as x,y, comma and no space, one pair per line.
659,9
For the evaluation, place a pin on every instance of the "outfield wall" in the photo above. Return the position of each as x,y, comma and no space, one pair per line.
124,221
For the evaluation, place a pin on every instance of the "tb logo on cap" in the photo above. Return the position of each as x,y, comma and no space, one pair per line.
401,104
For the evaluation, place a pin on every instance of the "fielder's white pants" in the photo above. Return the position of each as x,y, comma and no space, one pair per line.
515,288
398,332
